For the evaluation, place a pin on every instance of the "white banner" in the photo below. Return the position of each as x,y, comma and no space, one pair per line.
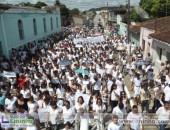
9,74
89,40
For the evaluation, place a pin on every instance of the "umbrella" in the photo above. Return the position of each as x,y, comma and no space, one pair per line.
141,62
121,48
82,71
65,62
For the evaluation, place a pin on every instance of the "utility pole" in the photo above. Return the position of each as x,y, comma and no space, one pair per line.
128,26
166,7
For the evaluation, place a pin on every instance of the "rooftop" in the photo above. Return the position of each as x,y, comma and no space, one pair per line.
162,36
159,25
14,7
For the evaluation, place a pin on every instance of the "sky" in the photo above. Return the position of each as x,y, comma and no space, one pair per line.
80,4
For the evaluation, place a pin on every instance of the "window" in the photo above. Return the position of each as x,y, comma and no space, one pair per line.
56,22
159,52
143,44
35,26
51,23
20,29
44,22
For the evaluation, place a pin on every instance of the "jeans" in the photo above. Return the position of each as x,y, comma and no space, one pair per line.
145,105
113,104
156,105
162,126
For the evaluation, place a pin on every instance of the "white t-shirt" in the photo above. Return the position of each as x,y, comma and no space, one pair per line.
53,115
109,68
97,85
167,93
109,85
113,96
68,114
135,120
24,92
84,106
117,111
60,92
113,126
137,83
163,114
10,103
32,128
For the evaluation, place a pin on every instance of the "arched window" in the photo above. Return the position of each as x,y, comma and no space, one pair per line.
20,29
57,22
44,22
35,26
51,23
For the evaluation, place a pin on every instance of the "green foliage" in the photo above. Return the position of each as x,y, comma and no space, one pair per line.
40,4
156,8
37,5
134,17
74,11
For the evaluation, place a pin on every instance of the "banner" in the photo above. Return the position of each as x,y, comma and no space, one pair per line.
9,74
89,40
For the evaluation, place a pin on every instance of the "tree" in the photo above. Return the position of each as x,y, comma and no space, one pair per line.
40,4
26,4
134,17
74,11
57,3
156,8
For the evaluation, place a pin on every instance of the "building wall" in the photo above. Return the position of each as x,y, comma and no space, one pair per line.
78,21
135,37
157,45
11,28
146,41
122,29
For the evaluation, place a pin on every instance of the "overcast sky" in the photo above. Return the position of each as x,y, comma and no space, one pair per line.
81,4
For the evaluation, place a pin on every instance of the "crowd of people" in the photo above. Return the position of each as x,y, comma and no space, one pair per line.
47,77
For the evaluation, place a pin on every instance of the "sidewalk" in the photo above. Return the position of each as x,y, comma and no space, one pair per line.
146,127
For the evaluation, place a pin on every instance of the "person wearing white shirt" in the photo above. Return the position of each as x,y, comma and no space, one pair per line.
163,114
109,83
137,86
109,68
135,119
53,115
68,113
118,110
114,125
24,92
167,92
10,103
115,93
157,97
99,110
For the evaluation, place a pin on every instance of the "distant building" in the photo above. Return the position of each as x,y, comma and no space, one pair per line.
153,36
20,25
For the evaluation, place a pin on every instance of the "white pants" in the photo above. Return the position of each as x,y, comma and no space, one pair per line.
136,91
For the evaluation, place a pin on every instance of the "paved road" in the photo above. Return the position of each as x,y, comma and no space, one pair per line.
146,127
